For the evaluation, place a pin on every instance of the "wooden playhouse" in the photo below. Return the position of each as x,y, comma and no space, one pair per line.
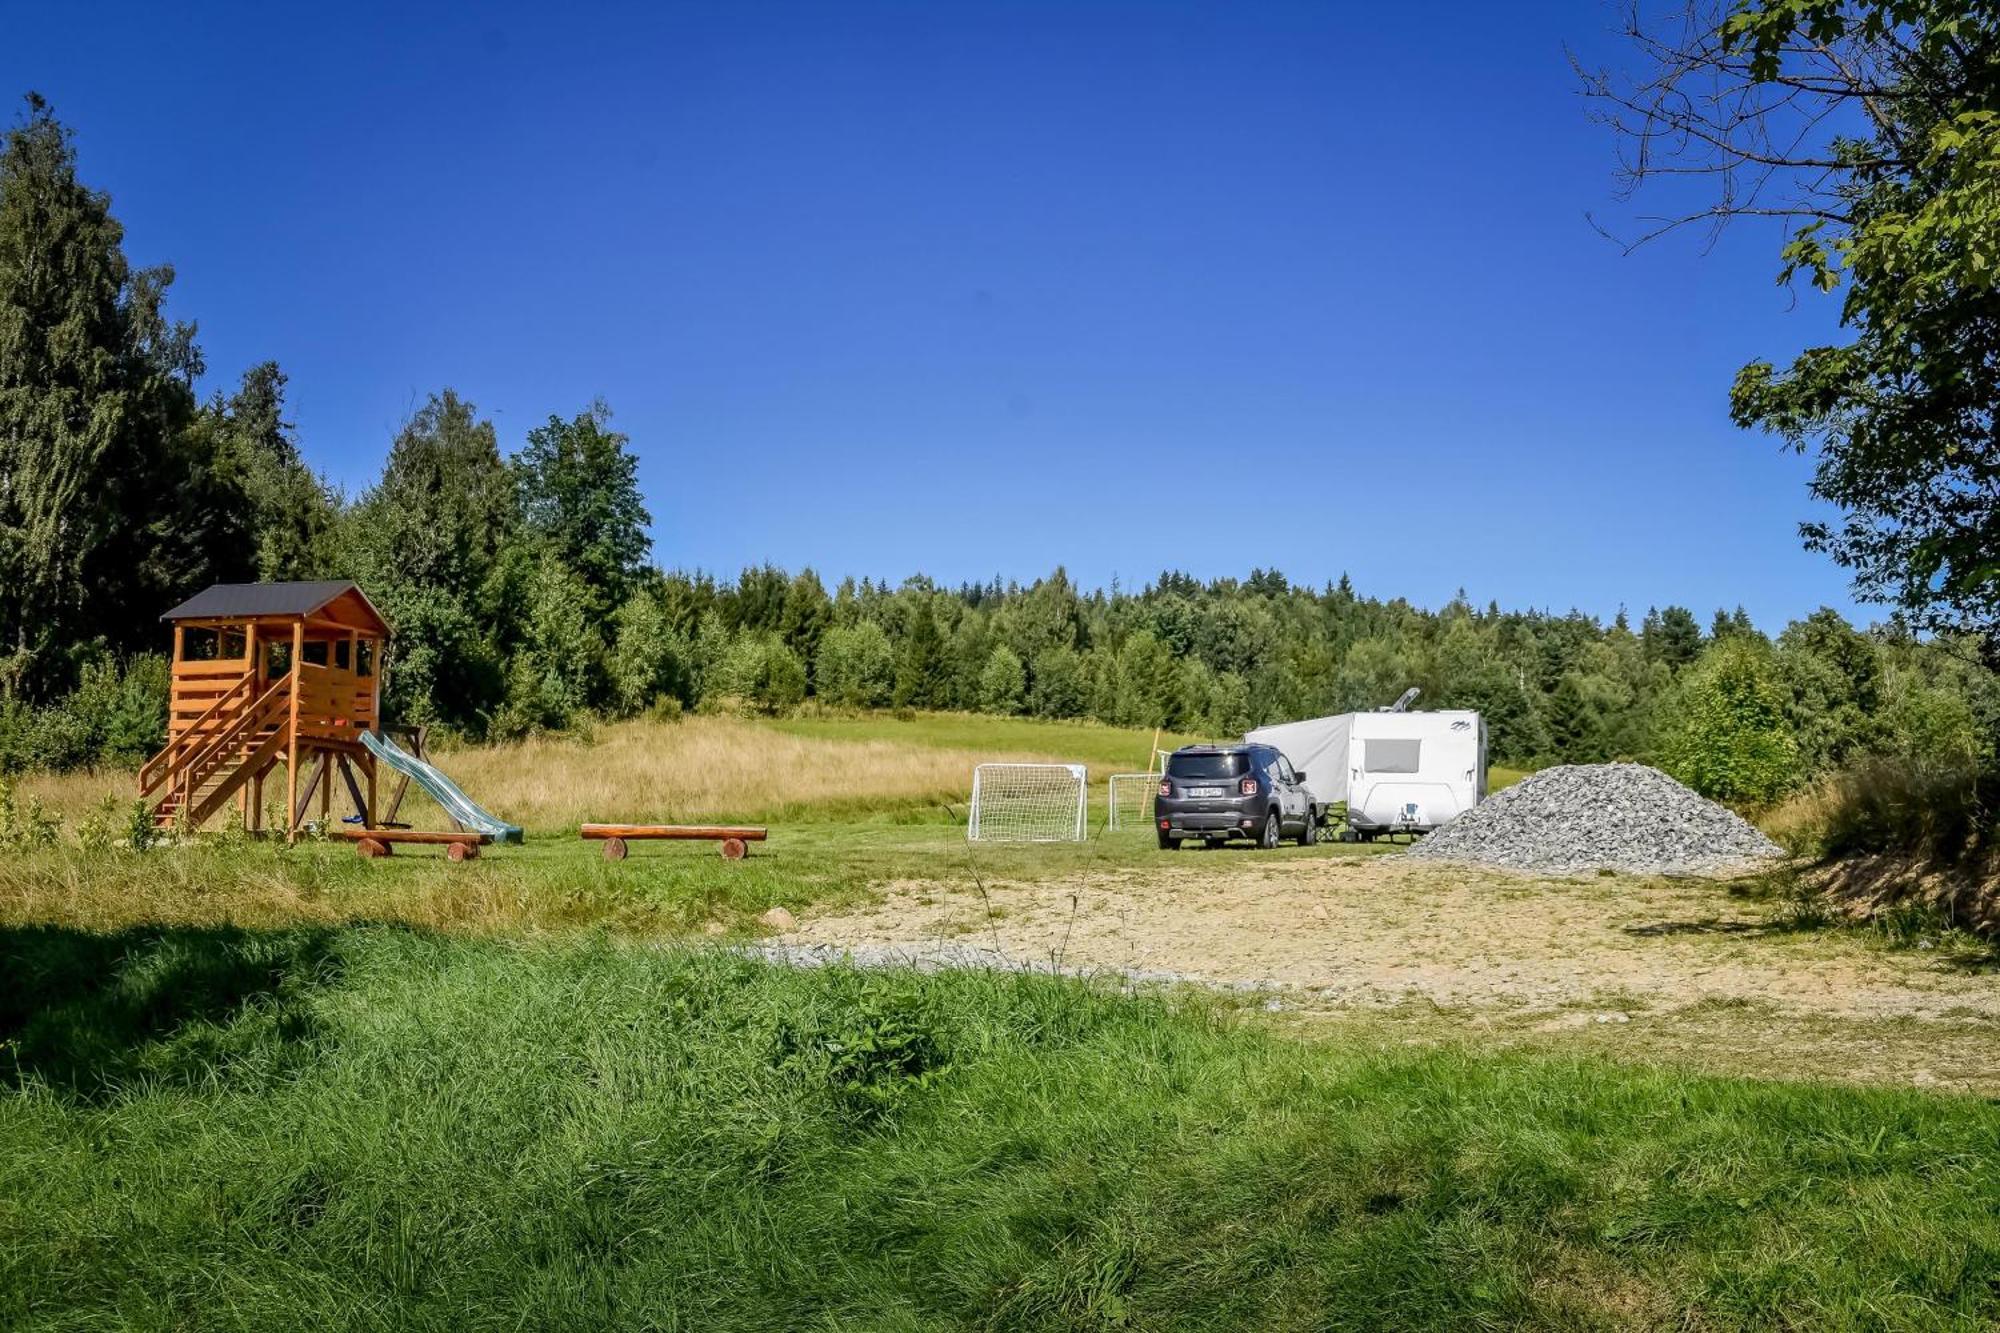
267,674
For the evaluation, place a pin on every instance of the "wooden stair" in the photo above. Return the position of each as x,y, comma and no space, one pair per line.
210,763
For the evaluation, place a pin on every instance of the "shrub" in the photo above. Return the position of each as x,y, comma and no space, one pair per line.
114,716
24,824
650,661
761,673
856,665
1003,682
1726,734
1060,687
1940,811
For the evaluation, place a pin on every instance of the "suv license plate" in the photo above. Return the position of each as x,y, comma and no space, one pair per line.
1204,791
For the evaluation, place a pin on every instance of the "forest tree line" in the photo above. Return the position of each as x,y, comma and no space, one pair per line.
523,597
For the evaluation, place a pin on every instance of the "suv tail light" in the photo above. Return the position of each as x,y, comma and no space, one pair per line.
1248,786
1166,788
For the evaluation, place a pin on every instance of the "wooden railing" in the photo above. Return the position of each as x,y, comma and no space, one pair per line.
230,730
334,704
272,709
216,717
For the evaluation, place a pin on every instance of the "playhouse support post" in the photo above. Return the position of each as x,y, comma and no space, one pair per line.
250,801
292,734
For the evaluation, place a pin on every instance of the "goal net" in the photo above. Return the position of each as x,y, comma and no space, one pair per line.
1028,803
1131,799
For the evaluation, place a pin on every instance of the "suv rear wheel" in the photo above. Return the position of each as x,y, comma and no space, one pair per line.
1169,844
1310,833
1273,831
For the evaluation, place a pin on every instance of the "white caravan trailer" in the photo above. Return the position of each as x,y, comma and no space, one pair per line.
1411,772
1398,772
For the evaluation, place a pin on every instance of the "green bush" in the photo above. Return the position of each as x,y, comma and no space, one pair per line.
1945,812
650,661
761,674
1726,734
114,716
1003,681
856,665
24,824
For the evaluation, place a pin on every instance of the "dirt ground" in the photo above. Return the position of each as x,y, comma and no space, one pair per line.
1694,970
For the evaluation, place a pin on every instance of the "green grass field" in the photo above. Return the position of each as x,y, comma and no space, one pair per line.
245,1086
376,1128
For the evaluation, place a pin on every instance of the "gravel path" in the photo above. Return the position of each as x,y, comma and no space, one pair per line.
1380,931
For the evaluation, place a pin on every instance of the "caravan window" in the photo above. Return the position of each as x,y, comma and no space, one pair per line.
1390,755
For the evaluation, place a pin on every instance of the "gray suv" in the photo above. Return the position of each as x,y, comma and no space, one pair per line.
1218,792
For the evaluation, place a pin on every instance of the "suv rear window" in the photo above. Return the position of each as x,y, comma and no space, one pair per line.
1233,764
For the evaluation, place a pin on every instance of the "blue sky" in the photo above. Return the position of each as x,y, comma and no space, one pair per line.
979,289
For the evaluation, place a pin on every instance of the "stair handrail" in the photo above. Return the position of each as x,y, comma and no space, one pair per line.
200,809
188,736
248,719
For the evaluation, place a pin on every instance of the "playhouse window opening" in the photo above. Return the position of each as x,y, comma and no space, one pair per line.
316,653
364,658
341,660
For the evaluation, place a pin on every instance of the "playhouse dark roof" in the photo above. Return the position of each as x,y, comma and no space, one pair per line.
242,601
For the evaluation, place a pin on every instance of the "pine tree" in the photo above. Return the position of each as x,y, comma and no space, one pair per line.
1572,724
806,614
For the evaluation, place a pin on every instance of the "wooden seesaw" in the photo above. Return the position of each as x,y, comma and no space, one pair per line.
735,839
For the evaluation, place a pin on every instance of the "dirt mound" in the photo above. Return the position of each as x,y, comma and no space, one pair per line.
1583,817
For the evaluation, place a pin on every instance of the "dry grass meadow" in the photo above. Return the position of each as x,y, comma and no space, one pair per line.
720,767
851,803
703,768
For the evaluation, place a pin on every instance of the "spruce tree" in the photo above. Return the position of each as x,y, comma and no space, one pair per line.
920,665
579,494
95,400
290,510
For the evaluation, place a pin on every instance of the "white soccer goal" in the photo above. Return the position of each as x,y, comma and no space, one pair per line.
1028,803
1131,799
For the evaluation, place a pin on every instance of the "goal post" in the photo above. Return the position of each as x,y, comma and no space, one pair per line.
1131,799
1028,803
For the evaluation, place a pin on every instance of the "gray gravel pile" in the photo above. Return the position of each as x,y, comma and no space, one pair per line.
1584,817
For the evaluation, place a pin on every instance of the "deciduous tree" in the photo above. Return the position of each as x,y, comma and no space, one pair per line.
1874,126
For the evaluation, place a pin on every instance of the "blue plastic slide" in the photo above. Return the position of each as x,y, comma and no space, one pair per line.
441,788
